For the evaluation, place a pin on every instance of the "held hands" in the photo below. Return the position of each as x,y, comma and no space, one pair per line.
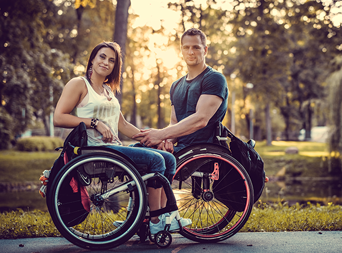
166,145
154,137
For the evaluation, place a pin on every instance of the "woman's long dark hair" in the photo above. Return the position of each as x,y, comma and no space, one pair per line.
113,79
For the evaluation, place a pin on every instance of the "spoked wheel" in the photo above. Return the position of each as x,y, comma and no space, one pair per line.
214,191
163,239
114,195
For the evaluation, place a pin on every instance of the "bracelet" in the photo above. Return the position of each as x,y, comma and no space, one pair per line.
93,123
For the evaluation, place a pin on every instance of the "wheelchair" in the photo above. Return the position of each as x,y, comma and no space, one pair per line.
210,187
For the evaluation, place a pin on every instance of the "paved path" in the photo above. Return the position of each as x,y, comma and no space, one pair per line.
242,242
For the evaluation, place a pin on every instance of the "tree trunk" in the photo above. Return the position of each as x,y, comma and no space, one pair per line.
120,32
268,125
134,109
308,124
160,116
79,13
46,124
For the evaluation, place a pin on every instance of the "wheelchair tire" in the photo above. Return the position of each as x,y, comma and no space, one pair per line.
125,188
212,220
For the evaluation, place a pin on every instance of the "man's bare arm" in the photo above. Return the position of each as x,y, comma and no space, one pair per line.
207,106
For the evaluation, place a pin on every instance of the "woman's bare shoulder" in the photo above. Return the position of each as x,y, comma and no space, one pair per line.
76,83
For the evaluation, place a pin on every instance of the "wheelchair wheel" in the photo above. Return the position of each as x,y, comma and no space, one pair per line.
112,191
214,191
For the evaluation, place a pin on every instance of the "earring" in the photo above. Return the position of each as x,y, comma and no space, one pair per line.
90,72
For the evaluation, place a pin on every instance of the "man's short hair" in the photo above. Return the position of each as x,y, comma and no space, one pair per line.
194,32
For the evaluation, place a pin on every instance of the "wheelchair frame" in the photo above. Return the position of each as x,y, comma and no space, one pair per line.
117,191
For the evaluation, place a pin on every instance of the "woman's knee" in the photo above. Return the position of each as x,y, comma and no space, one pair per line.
171,163
157,163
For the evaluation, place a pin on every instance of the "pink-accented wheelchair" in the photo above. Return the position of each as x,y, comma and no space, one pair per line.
210,187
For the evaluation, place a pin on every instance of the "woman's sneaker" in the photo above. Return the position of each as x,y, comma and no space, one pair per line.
155,228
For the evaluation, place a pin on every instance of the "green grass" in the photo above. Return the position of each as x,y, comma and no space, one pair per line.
264,218
304,147
311,161
278,218
20,224
18,167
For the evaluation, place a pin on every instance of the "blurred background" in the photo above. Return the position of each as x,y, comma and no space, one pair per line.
282,60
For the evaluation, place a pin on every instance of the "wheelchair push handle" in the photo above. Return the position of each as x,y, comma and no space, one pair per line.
251,142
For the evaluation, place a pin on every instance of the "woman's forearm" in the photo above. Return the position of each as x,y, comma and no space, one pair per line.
69,121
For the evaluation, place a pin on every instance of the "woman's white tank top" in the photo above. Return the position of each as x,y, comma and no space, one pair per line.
100,107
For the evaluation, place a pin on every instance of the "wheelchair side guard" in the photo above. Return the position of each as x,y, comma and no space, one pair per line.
171,204
142,169
103,170
189,168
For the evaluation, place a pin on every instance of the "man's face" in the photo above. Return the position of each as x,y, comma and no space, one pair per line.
193,50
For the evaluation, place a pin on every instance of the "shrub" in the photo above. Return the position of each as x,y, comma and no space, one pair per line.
39,143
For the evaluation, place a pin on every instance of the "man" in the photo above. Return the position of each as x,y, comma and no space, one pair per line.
198,99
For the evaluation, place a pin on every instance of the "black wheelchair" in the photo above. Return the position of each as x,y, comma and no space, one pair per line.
210,187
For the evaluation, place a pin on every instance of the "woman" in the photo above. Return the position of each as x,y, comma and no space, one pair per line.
99,109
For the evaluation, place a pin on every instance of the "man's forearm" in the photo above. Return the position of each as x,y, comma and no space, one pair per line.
184,127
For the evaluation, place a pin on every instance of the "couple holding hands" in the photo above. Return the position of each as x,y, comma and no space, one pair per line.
198,102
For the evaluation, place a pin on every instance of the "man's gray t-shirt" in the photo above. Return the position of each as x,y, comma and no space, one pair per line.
184,96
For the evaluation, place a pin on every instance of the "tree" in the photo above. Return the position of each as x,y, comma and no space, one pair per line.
313,41
29,66
335,114
283,48
260,59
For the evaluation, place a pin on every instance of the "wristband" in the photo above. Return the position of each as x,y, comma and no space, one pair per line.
93,123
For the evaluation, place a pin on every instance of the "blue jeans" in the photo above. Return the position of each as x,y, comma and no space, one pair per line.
155,160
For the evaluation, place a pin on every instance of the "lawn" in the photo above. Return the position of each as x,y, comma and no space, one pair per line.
264,218
311,160
18,167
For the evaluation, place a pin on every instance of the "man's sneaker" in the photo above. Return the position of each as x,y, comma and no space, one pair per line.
118,223
155,228
184,222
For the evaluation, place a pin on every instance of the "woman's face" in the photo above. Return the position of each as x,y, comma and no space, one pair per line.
104,61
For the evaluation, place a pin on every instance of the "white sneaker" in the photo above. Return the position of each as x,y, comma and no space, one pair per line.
155,228
118,223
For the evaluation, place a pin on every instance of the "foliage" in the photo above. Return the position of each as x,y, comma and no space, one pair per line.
38,143
6,124
264,218
84,3
31,71
335,111
282,47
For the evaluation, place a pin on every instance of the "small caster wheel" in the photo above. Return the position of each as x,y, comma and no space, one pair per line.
143,232
163,239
